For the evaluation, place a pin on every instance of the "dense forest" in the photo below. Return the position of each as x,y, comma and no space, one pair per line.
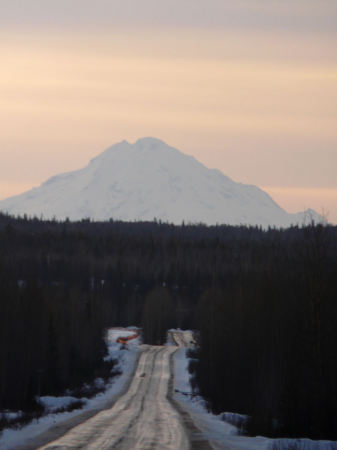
263,301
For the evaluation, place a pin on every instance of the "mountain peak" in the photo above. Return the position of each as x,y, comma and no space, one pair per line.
149,142
124,148
150,179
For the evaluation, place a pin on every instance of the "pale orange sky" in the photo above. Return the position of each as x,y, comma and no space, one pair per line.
256,99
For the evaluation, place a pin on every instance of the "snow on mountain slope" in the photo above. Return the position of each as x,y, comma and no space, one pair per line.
147,180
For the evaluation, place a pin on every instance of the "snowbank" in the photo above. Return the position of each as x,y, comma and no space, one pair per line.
54,404
302,444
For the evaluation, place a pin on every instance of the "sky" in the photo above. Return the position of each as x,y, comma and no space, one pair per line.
248,87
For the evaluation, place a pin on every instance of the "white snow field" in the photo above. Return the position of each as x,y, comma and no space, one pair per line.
147,180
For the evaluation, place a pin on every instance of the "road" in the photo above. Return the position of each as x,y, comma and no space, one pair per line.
145,417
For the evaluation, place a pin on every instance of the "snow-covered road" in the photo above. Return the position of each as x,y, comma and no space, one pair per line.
143,418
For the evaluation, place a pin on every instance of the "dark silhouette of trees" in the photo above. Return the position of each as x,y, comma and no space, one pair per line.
264,302
157,316
269,351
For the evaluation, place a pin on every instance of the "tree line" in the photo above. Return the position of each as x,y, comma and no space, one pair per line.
263,301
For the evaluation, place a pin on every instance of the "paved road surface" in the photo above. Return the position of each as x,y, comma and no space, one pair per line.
144,417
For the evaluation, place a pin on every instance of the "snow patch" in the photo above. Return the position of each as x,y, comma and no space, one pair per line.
10,416
54,404
302,444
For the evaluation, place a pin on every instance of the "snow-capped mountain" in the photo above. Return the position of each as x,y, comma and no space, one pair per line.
147,180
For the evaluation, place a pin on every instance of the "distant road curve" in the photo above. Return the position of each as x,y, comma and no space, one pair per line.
145,417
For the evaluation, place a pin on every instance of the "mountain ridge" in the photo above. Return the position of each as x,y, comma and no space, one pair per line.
150,179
